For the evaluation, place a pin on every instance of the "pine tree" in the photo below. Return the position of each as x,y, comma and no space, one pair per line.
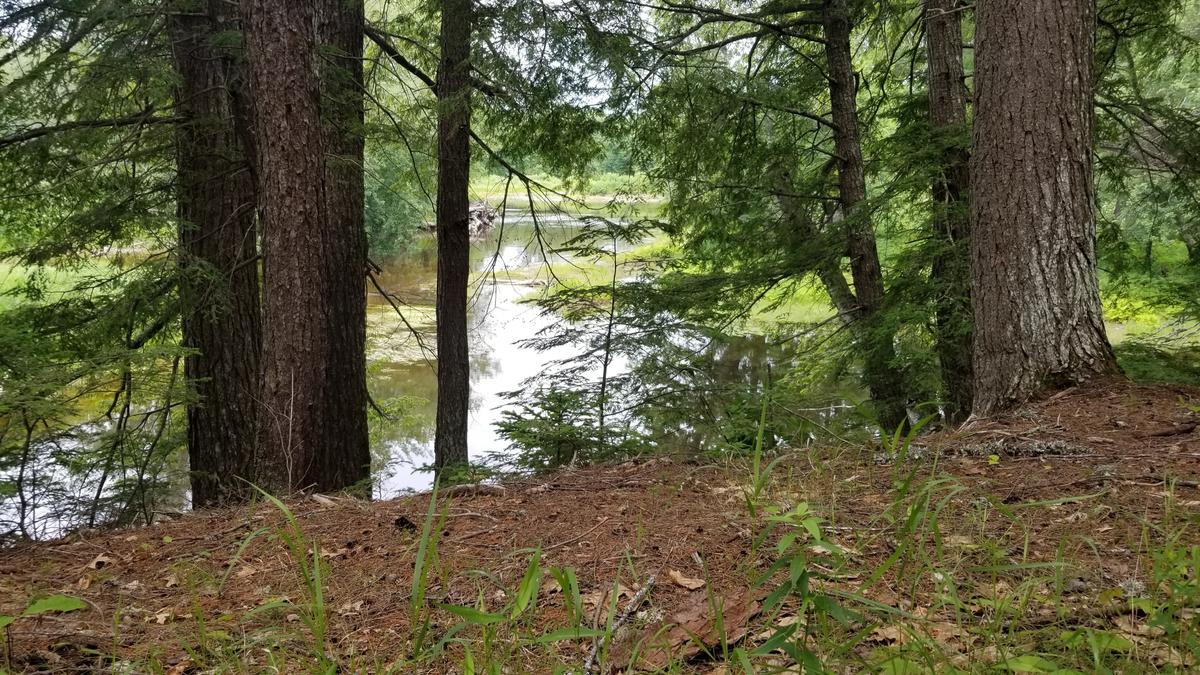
1038,322
453,212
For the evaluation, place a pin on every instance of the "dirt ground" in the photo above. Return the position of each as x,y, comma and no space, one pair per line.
1087,475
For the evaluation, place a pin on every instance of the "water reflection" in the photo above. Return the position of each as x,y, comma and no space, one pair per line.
510,265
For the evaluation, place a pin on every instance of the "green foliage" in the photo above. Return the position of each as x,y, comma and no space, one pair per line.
53,604
394,205
1146,362
552,428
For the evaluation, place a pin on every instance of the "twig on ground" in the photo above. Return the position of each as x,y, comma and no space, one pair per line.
636,602
575,539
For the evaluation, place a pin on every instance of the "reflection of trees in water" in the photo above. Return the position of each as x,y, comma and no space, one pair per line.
705,391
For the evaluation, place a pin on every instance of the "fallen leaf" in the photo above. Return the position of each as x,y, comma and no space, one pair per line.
351,608
1128,625
599,598
888,635
688,631
171,581
549,587
687,582
245,571
84,583
161,617
100,561
179,668
784,622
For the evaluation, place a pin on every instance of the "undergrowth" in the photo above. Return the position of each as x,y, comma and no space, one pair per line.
965,587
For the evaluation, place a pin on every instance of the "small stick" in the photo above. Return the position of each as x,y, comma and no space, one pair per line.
636,602
575,539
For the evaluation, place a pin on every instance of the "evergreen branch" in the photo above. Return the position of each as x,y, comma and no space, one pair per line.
377,36
146,117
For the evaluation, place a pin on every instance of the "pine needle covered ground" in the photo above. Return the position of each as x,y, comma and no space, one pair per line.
1061,538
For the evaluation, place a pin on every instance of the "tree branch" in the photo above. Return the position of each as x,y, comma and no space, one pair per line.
146,117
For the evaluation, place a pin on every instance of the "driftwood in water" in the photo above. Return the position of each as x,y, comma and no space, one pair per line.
482,220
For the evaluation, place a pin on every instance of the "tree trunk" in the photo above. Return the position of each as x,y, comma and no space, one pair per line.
313,385
218,271
346,460
883,378
951,267
1038,322
453,212
818,256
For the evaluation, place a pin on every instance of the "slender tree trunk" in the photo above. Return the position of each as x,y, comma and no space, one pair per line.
825,263
453,212
951,268
883,378
218,271
1038,322
313,391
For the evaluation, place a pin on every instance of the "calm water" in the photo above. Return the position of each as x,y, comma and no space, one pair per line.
510,269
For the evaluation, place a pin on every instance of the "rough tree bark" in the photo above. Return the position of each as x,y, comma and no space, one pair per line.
340,29
1038,322
882,377
453,239
218,271
313,396
951,267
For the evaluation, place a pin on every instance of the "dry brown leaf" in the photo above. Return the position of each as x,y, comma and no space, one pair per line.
549,587
683,634
599,598
687,582
888,635
783,622
1128,625
351,608
179,668
84,583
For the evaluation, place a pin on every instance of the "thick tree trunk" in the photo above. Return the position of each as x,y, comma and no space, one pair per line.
951,268
1038,321
313,389
883,378
453,239
218,271
346,461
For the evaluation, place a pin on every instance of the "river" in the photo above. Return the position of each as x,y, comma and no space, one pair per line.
510,267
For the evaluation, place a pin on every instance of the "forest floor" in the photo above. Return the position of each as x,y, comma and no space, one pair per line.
1060,538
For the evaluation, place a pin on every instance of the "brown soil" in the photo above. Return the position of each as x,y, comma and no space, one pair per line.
1116,447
